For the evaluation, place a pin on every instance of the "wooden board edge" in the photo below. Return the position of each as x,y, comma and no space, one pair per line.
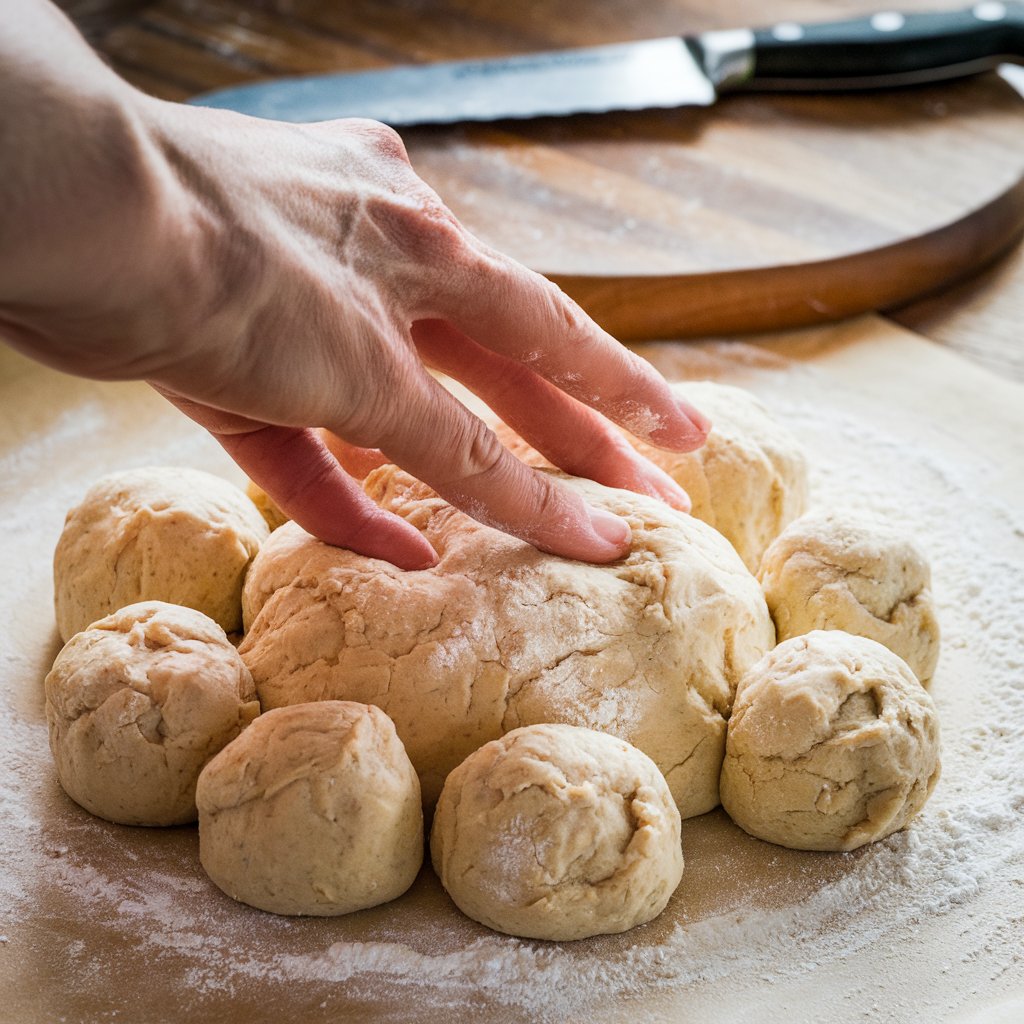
652,306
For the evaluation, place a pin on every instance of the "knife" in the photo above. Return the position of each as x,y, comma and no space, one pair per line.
881,51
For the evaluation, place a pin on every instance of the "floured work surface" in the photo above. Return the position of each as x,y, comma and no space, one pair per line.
104,922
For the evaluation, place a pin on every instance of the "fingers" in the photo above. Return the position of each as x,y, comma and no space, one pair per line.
438,440
357,462
519,314
568,433
298,471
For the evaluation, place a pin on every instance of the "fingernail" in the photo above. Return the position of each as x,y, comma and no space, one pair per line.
695,416
428,563
610,528
670,492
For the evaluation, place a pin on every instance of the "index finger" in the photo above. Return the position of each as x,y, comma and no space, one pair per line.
518,313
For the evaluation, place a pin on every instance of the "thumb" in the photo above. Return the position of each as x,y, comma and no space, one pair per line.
303,477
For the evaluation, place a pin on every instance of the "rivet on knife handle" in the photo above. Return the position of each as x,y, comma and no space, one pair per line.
887,49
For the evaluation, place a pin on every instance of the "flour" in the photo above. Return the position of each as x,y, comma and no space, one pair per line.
747,914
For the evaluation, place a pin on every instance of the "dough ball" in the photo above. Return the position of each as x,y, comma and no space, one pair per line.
556,832
748,481
269,509
159,534
314,809
136,706
850,571
499,635
832,744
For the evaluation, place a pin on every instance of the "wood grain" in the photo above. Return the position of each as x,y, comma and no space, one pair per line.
114,923
661,223
980,319
799,295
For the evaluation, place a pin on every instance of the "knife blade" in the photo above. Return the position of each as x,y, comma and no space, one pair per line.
884,50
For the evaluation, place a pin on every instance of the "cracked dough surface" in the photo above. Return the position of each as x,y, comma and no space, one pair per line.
850,571
499,635
748,481
557,832
137,704
833,743
314,809
156,534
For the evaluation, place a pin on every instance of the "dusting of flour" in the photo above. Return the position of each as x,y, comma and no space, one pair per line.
93,900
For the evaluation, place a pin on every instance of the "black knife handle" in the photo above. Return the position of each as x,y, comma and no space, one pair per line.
887,49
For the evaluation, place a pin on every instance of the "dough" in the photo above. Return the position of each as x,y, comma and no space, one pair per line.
136,706
163,534
847,570
832,744
500,635
314,809
556,832
748,481
269,509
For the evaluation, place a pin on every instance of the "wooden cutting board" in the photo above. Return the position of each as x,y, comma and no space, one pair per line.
100,922
762,212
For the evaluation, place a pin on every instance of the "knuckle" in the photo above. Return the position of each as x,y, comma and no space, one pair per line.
633,393
382,138
572,322
478,454
573,319
566,326
548,499
419,225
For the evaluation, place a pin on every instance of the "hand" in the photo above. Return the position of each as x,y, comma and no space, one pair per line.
268,278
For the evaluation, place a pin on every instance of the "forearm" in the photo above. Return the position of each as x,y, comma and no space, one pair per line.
83,187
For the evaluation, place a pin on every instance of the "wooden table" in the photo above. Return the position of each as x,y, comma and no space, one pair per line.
105,923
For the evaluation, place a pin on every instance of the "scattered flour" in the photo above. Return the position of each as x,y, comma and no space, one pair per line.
85,895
